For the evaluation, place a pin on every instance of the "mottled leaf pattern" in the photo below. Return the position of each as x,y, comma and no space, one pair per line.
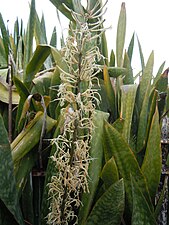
8,193
142,214
109,208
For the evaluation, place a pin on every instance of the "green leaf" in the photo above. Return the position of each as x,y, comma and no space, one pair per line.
145,81
121,32
16,31
110,93
21,88
28,50
96,153
152,163
40,37
141,55
39,56
104,48
30,135
59,5
24,93
128,79
142,213
23,169
162,84
112,59
59,59
5,36
55,81
109,173
143,101
53,41
8,193
158,75
130,48
27,201
3,59
109,208
78,8
19,59
117,71
42,83
126,162
143,124
119,124
43,28
4,94
127,107
152,109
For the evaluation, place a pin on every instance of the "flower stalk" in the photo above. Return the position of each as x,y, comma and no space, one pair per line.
78,99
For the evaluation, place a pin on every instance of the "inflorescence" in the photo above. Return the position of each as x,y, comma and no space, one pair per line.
78,99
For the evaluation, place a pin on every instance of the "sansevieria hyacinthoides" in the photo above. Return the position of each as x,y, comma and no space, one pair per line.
78,99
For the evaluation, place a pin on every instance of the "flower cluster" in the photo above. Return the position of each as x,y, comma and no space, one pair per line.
78,99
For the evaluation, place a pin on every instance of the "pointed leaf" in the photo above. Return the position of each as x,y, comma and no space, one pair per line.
127,108
130,48
141,55
5,36
43,28
121,32
110,173
142,213
126,162
162,84
112,59
158,75
53,41
104,48
145,81
152,163
118,124
19,59
40,37
29,39
128,79
109,208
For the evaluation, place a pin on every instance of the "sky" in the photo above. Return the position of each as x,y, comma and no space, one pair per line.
148,19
